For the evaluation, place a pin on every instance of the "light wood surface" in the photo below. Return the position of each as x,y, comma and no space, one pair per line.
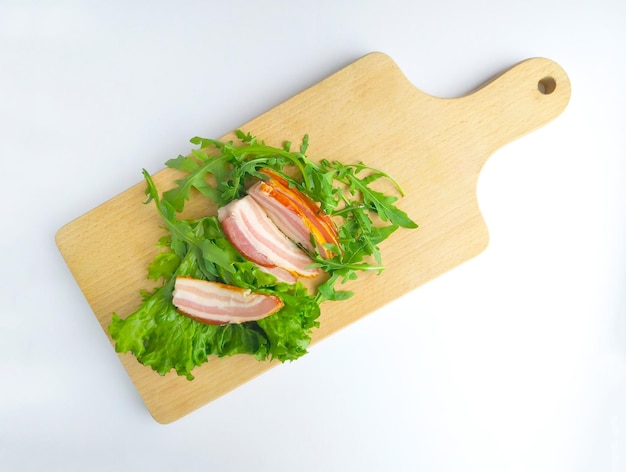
368,112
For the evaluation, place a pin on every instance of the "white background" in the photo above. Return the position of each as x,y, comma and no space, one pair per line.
514,361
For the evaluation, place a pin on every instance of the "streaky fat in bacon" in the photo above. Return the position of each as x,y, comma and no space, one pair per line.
217,303
253,233
294,213
281,274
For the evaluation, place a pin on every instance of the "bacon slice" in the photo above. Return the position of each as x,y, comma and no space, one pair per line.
216,303
281,274
250,230
294,213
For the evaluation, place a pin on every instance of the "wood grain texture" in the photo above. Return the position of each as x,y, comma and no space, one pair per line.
367,111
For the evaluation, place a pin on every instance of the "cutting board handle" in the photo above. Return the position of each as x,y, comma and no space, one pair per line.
514,103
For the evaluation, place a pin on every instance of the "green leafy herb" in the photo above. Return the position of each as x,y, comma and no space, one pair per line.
165,340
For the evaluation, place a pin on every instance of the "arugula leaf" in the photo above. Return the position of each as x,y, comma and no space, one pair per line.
198,165
380,203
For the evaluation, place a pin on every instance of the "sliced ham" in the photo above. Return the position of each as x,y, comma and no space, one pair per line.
216,303
295,214
251,231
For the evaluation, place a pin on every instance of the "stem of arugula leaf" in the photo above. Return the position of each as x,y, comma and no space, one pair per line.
349,209
376,171
360,267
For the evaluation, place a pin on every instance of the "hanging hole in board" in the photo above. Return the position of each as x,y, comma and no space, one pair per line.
547,85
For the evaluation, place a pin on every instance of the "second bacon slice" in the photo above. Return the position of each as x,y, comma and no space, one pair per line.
294,213
251,231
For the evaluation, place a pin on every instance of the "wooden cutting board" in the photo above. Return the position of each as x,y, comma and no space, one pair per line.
367,111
